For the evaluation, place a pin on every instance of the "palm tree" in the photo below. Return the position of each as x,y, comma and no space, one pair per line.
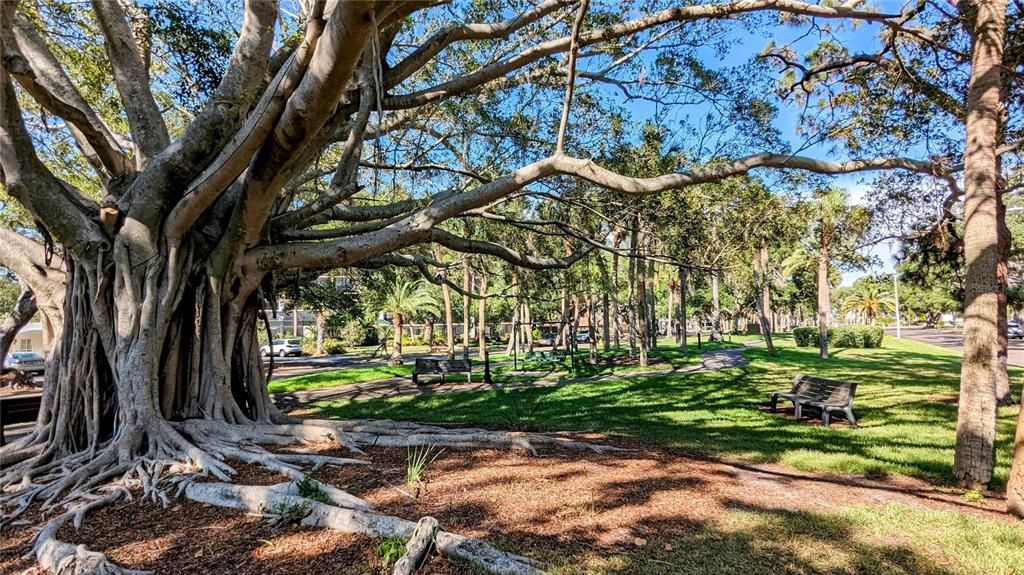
868,301
835,227
404,298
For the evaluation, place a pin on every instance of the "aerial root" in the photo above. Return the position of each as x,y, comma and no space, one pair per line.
267,500
60,558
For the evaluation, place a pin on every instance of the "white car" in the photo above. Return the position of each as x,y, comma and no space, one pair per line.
282,347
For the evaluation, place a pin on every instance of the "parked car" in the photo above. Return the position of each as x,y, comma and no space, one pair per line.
282,347
547,339
28,362
583,336
1014,330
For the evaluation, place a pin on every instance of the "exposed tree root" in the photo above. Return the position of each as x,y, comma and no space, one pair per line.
388,433
418,548
260,499
62,558
171,457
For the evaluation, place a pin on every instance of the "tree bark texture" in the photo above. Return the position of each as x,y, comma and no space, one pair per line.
976,419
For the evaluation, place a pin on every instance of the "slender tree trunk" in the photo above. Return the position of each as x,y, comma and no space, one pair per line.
766,292
641,297
467,286
591,321
824,305
632,307
481,319
513,334
563,321
321,325
671,309
605,330
22,313
396,351
615,292
681,330
716,309
428,333
527,326
761,279
976,418
449,321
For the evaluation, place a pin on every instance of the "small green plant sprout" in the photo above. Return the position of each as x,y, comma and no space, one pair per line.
390,550
974,496
420,457
285,513
312,489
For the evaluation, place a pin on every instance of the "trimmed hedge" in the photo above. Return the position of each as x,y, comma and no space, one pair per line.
867,336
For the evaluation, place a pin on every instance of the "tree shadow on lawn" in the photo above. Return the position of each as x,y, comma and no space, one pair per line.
747,539
721,413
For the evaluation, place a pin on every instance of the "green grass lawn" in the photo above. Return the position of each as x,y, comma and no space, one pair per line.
903,403
345,376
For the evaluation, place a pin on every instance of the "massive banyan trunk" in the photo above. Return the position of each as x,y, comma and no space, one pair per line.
146,342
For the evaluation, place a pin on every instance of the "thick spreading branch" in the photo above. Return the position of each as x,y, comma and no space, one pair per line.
131,75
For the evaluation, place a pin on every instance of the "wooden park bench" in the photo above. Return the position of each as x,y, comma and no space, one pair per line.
442,367
18,408
825,395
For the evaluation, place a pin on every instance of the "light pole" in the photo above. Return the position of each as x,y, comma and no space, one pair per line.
896,290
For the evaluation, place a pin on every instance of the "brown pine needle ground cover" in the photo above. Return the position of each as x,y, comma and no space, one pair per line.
650,510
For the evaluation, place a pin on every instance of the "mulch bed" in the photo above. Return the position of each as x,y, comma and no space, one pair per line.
564,501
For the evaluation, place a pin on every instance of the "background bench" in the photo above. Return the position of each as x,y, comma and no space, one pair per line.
20,408
442,367
825,395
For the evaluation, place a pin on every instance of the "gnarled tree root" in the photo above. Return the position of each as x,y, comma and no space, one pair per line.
60,558
388,433
418,548
260,499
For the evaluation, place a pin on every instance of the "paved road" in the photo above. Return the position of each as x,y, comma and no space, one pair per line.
951,338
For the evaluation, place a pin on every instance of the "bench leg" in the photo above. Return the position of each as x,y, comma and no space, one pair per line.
775,402
415,379
797,410
469,377
849,416
826,419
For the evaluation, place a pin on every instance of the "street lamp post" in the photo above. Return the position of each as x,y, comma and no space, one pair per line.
896,293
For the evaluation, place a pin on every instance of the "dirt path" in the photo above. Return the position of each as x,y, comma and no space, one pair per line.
403,386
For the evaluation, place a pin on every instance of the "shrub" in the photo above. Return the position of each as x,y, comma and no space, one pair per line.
866,336
333,346
805,336
355,333
845,337
873,336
